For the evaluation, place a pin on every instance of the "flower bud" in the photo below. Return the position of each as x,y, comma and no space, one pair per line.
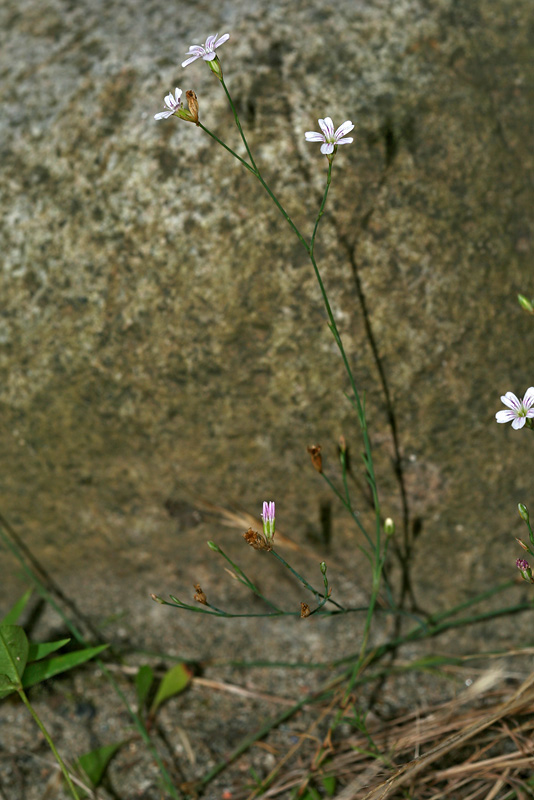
215,66
322,567
525,303
157,599
521,543
524,567
523,512
389,527
268,517
214,547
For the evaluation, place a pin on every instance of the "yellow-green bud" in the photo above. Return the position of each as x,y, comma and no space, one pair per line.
215,66
525,303
214,547
523,512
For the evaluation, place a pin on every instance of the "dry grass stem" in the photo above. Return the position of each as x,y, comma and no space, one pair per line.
478,745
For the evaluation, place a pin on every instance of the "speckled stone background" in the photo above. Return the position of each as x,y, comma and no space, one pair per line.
162,336
163,343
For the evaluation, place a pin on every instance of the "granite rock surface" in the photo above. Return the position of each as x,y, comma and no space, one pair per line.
162,336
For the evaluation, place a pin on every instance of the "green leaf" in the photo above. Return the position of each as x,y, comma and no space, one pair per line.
143,682
42,670
14,613
173,682
95,763
329,783
310,794
40,650
13,657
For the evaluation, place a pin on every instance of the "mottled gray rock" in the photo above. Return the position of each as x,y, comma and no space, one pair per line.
161,328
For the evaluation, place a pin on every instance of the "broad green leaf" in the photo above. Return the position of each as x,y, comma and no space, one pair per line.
14,613
13,657
95,763
310,794
42,670
329,783
42,649
143,682
173,682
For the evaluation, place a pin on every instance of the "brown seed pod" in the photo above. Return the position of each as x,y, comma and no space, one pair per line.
304,610
315,453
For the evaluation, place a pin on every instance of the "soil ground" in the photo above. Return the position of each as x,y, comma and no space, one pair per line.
232,692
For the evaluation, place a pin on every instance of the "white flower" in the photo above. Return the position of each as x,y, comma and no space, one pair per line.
328,137
519,411
207,52
173,105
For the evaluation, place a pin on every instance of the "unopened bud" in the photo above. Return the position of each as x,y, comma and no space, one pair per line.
215,66
524,567
268,517
523,512
214,547
389,527
521,543
157,599
322,567
525,303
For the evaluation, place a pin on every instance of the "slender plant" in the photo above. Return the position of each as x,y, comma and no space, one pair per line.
520,412
376,543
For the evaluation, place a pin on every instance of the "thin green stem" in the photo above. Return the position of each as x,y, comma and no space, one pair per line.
229,149
368,457
310,250
294,572
435,627
305,583
343,460
322,206
327,689
472,601
239,128
245,580
255,170
349,508
64,770
264,730
220,612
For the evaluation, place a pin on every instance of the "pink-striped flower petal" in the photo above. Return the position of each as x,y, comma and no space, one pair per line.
330,139
518,411
206,51
173,104
268,517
